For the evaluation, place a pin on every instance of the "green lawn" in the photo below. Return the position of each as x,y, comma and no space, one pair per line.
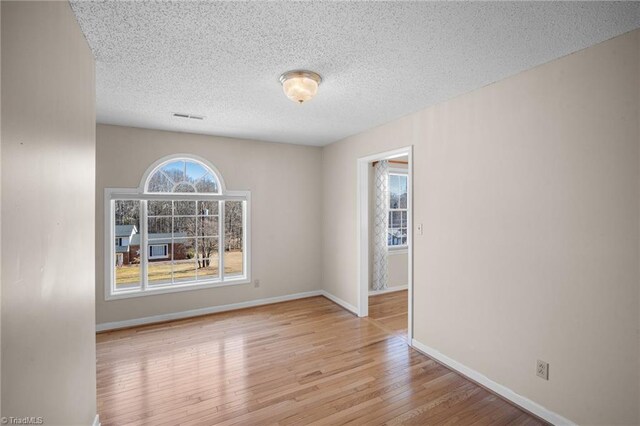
182,270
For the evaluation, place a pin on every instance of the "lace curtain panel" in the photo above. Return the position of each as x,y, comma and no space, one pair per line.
381,209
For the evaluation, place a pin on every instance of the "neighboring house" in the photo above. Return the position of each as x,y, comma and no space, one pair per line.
161,246
124,233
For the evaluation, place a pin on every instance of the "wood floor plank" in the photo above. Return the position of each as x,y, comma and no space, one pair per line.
294,363
389,311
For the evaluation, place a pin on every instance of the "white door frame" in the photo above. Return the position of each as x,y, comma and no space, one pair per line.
363,230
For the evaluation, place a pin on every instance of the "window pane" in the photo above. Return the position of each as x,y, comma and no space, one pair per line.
184,208
184,176
158,253
159,208
233,253
208,226
396,219
392,238
184,271
184,187
126,253
175,170
403,219
159,272
208,208
397,237
127,275
207,258
184,262
195,171
394,200
127,213
403,192
207,184
183,249
159,183
393,183
184,227
159,227
233,262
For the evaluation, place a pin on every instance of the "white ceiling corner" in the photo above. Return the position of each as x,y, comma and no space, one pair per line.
378,60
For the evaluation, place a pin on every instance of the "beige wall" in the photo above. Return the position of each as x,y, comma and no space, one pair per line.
48,188
285,186
528,190
398,269
0,212
638,368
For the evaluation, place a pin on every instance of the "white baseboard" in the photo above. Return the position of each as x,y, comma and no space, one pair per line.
204,311
388,290
96,421
499,389
348,306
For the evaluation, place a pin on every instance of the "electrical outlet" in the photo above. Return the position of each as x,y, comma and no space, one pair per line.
542,369
256,283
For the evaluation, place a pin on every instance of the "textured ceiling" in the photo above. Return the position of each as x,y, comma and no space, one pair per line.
378,60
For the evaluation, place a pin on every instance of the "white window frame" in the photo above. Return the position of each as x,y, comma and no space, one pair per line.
118,241
402,248
113,194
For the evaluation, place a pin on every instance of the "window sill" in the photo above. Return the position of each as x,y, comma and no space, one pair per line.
398,250
177,288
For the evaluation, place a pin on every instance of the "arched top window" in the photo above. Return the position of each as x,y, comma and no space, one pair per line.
180,229
183,175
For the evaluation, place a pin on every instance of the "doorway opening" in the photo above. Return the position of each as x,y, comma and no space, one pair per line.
385,223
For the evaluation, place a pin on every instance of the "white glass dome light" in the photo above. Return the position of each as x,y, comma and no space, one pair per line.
300,86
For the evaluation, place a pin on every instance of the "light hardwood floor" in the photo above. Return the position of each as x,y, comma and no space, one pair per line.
389,310
302,362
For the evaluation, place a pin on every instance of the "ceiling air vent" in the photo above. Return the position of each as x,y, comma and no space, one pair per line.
190,116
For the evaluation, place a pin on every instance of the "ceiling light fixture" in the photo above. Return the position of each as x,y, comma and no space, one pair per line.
300,86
